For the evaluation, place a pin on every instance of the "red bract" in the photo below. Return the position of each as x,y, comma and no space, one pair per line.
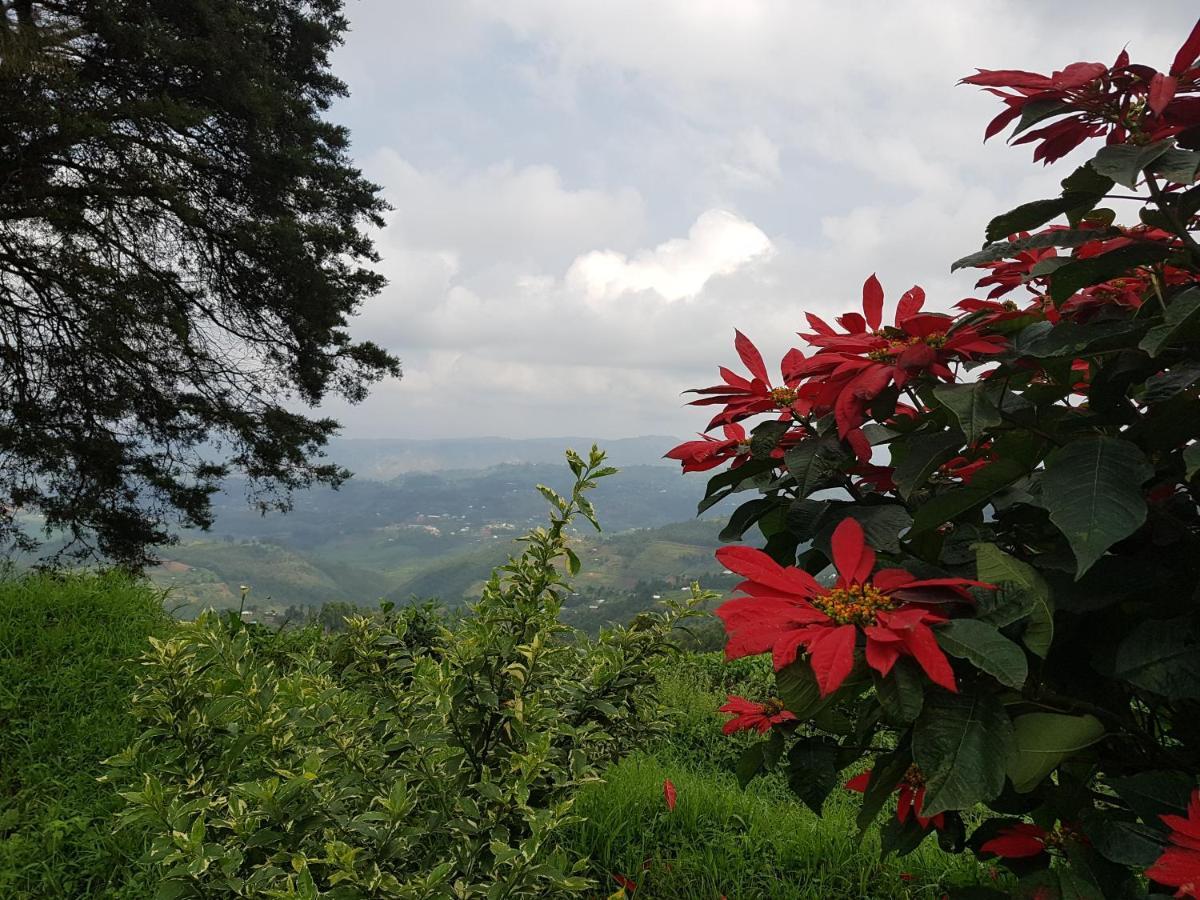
850,370
1179,865
709,452
1123,101
786,609
744,397
912,795
1017,841
759,716
669,794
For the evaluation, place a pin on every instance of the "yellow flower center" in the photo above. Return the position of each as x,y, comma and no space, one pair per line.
772,707
855,605
914,778
936,340
783,396
1010,305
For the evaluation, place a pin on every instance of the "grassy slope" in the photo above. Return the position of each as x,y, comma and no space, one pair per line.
64,707
723,841
65,678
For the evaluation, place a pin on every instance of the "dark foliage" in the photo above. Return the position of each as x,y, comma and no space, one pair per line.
182,241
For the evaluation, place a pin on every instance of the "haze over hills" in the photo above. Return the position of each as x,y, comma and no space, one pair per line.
417,521
383,458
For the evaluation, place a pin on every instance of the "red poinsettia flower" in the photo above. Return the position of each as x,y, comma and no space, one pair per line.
966,467
709,452
759,716
851,369
669,794
785,609
1179,865
744,397
1017,841
1022,840
1087,100
912,794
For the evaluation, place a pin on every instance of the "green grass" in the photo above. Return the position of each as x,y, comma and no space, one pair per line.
64,707
724,841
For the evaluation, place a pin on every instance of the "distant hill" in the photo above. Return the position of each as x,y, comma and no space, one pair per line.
385,458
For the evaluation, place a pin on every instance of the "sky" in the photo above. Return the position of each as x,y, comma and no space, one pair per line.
589,197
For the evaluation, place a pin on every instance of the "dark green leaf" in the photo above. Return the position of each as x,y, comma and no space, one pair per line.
1042,741
1155,793
732,480
745,516
1044,340
1177,166
918,457
901,692
901,838
1123,163
764,438
1027,593
1191,460
973,404
1096,269
1026,217
1125,843
750,763
1163,656
954,502
1009,249
961,743
1038,110
1168,384
813,461
804,517
1179,320
985,648
813,770
887,773
1092,489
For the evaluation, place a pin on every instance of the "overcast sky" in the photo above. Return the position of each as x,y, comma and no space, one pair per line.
590,196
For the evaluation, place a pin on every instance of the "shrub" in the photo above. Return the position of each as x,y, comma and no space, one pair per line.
416,759
1025,477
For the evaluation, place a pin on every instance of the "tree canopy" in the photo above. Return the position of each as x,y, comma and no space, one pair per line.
183,240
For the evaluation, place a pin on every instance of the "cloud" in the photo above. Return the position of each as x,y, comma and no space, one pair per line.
719,243
590,197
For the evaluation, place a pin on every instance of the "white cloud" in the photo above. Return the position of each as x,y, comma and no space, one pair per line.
562,257
719,243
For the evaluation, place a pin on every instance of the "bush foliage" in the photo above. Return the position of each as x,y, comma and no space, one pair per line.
1007,496
416,758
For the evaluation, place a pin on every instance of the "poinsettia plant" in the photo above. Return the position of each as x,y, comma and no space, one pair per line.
978,579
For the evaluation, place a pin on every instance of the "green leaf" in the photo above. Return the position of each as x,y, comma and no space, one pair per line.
1037,111
1191,459
750,763
1009,249
901,692
1044,339
1026,217
813,461
573,564
1092,489
813,770
1177,166
1043,741
731,481
961,743
1123,163
1163,656
1178,320
1096,269
797,686
1125,843
764,438
1170,383
1155,793
917,457
985,648
1036,601
887,772
974,405
745,516
954,502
